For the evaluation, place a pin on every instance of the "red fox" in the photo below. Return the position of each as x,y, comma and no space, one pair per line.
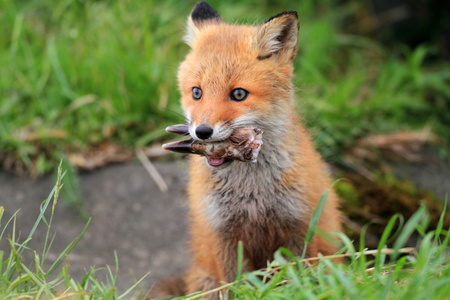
240,76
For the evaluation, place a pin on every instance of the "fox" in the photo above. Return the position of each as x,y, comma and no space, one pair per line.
241,76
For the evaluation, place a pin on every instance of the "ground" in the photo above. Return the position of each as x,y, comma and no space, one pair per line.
130,215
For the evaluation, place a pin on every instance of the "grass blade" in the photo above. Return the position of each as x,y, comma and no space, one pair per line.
409,229
317,212
67,250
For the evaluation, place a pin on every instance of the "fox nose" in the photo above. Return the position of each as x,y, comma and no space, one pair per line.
204,131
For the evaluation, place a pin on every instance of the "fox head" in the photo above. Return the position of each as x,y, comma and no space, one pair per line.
237,75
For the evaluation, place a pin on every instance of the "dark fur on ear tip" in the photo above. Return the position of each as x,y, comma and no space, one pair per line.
203,11
289,12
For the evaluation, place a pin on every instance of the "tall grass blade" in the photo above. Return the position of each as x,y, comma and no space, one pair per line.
133,287
440,224
43,208
2,210
67,250
58,70
409,229
13,217
384,237
315,216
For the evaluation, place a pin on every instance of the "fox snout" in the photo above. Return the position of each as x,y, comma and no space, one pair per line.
204,132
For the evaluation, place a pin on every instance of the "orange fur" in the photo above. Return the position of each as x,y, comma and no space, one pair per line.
269,204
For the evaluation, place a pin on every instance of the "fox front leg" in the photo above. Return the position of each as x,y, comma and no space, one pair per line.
228,256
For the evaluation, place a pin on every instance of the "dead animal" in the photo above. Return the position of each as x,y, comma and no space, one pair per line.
244,144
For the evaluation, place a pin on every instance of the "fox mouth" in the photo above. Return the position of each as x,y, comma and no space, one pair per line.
243,145
217,162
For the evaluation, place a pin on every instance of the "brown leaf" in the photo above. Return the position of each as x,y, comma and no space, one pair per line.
403,145
99,156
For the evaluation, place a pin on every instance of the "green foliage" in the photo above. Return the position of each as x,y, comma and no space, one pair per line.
351,87
75,73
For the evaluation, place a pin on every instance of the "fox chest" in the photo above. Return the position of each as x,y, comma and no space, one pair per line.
250,198
263,216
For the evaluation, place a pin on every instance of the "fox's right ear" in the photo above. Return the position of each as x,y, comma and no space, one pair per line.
278,35
202,15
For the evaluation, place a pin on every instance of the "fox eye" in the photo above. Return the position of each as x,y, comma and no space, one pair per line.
238,95
196,93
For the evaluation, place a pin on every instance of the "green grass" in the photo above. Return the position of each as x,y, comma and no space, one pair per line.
76,73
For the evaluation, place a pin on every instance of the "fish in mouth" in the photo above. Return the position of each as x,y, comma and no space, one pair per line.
243,145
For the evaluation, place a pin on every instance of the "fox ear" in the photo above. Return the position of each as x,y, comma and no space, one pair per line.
202,15
277,35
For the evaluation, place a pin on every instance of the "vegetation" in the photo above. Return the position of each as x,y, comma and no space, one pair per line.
76,74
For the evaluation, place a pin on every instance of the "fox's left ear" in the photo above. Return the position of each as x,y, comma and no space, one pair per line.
202,15
277,35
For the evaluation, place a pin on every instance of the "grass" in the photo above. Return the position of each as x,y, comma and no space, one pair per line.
78,73
391,271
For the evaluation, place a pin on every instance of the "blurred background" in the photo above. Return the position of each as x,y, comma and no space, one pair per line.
92,82
80,76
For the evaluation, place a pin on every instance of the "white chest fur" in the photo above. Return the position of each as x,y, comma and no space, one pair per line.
247,192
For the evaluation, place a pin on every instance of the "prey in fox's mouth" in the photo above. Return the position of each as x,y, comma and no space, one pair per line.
243,145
